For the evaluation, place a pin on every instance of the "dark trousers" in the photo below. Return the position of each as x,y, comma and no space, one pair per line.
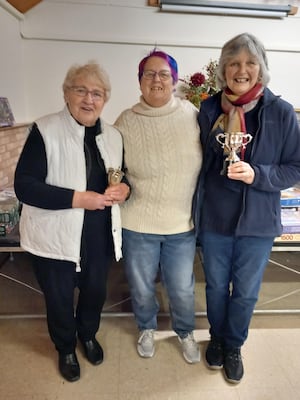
69,316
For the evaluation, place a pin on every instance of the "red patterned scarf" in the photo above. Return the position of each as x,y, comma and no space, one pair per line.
234,108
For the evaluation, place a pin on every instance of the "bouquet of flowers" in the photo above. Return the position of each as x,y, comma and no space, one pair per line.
200,85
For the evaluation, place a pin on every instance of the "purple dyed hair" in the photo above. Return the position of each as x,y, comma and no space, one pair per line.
170,60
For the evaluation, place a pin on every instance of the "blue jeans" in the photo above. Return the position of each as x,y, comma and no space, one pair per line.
234,268
173,255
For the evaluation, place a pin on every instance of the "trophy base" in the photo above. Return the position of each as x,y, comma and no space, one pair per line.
226,164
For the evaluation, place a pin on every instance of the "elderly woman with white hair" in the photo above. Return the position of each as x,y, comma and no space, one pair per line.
70,219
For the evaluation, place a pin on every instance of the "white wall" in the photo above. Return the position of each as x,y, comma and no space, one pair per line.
56,34
11,60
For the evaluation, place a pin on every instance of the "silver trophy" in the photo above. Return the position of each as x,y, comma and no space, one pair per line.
232,143
115,176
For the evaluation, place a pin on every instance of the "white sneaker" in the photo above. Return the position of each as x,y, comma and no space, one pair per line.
145,346
190,348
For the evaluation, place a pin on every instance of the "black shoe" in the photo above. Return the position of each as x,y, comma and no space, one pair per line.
69,367
93,351
233,365
215,354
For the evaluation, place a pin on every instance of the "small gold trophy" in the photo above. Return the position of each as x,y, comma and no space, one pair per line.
115,176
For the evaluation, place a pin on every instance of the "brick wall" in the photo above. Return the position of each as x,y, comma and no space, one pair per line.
12,140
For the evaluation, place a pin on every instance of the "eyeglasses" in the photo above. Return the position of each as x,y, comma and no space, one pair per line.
96,95
163,75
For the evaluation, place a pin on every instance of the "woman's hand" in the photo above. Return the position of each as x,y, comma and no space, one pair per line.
90,200
241,171
118,193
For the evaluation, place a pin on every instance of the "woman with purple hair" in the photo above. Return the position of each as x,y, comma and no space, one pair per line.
163,157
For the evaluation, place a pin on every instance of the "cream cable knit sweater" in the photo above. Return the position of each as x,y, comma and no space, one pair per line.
163,158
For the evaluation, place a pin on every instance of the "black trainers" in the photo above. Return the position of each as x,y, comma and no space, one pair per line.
233,365
215,354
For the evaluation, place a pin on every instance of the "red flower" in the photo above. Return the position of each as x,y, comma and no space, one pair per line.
198,79
199,86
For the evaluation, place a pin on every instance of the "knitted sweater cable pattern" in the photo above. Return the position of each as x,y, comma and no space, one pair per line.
163,158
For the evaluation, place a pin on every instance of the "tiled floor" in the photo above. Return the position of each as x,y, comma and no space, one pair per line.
28,362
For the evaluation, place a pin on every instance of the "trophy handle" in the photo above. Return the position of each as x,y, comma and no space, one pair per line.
246,139
220,137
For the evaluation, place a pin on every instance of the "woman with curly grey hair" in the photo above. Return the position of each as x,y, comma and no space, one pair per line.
251,151
70,220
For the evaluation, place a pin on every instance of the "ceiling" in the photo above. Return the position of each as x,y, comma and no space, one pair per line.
23,5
